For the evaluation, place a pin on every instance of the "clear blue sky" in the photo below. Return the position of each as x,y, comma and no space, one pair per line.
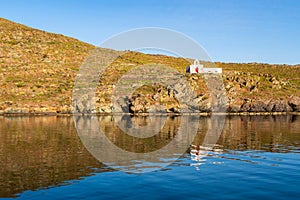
230,30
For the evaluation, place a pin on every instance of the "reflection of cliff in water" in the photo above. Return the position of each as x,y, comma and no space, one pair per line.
268,133
140,145
39,152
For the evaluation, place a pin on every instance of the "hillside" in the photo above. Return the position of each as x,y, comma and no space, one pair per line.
38,69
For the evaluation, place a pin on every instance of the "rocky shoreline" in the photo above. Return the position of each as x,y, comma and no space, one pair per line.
138,107
249,107
15,114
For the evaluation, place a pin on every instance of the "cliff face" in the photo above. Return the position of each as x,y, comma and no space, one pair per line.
38,69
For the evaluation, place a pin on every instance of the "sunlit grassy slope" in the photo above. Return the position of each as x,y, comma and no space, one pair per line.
38,69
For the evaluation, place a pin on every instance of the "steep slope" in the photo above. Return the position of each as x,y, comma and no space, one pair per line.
38,69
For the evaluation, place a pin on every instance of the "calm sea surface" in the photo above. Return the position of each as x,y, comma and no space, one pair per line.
256,157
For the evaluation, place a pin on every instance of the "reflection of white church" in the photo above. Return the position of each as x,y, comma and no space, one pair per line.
197,68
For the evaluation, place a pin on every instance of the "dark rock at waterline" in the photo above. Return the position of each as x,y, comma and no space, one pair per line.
281,106
294,103
258,107
234,108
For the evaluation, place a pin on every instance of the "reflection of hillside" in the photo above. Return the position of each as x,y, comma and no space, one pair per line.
123,143
134,144
268,133
143,145
39,152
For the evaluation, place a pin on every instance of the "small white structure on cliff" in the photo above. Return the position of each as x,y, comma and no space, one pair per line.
197,68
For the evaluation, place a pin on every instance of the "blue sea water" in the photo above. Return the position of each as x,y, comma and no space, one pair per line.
260,162
232,175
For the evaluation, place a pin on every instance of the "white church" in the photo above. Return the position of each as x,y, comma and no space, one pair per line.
197,68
